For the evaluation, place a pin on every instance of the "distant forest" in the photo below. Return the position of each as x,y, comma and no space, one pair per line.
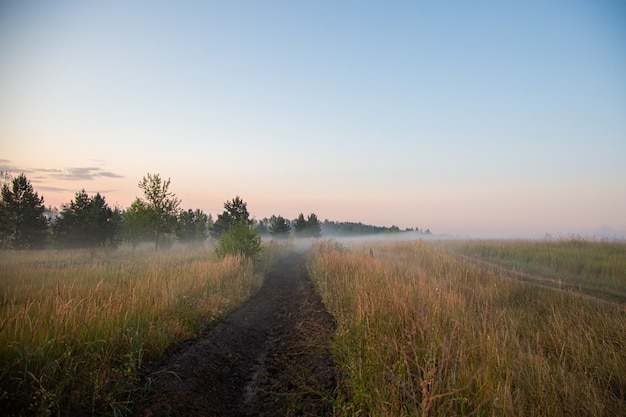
88,221
331,228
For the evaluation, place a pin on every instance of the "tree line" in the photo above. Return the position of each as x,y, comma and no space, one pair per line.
88,221
347,229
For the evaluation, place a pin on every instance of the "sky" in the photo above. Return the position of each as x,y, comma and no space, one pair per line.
467,118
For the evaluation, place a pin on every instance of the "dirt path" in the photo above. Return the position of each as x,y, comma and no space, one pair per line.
271,357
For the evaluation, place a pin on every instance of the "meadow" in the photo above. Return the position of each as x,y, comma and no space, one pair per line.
423,331
596,268
76,326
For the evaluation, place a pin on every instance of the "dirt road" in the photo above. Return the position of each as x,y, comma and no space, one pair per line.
614,298
271,357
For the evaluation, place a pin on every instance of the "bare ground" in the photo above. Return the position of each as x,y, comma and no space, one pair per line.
271,357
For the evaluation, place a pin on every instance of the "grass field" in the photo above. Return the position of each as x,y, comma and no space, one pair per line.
75,326
422,329
424,332
596,268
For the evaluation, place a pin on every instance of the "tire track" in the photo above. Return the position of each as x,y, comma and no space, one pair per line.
544,282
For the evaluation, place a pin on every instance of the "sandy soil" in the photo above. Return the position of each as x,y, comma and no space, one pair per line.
271,357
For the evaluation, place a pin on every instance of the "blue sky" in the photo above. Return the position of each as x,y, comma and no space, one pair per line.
463,117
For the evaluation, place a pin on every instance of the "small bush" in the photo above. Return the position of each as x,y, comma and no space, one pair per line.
240,239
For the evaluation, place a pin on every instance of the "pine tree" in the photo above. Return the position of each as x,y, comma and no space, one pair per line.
299,226
313,226
279,227
193,227
22,219
86,222
235,210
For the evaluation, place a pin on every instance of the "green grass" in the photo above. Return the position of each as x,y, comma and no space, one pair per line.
597,268
75,326
421,332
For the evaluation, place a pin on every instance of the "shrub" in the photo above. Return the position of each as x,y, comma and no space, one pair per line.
239,239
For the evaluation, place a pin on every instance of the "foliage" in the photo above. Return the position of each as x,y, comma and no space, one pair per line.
262,227
193,227
309,227
279,227
23,224
313,226
235,210
240,239
299,225
5,218
161,204
86,222
136,226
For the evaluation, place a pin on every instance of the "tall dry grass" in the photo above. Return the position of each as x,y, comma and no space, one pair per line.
75,326
422,333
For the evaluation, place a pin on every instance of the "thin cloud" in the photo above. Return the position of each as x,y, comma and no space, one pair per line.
82,174
110,174
68,174
12,169
48,171
76,174
53,189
